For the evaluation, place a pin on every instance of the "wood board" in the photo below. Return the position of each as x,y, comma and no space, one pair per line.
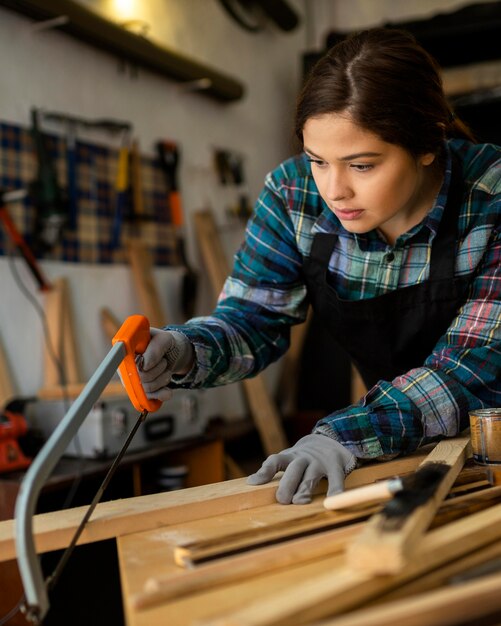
262,407
306,586
383,550
290,583
298,539
7,389
115,518
141,263
62,365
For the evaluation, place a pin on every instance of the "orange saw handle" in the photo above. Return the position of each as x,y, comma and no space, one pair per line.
135,335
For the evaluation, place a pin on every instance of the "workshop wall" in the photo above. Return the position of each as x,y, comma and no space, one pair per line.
50,70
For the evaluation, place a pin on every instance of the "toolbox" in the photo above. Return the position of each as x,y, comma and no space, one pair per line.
107,425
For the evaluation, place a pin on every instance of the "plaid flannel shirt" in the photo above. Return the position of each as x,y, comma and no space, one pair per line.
266,294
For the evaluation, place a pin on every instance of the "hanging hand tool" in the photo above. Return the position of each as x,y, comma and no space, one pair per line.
71,124
121,193
48,198
71,173
12,426
19,241
130,340
169,156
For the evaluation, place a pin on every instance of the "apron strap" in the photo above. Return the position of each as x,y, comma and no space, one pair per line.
443,250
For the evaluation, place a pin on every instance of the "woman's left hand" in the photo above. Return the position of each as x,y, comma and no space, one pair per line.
312,458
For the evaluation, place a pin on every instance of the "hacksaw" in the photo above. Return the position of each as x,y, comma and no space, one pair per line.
130,340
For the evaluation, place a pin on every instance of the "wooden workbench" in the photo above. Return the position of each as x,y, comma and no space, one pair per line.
285,564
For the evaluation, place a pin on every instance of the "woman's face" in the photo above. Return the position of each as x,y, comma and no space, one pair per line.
368,183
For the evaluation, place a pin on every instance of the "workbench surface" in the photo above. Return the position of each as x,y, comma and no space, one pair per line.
227,553
268,564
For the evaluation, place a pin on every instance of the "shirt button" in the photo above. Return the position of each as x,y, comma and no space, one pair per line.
389,257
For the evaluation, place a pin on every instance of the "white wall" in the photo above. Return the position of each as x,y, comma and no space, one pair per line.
51,70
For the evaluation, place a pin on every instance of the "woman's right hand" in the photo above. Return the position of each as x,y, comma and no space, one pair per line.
168,353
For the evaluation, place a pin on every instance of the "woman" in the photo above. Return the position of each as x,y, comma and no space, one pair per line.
388,224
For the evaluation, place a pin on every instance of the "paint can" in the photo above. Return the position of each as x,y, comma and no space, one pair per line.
485,429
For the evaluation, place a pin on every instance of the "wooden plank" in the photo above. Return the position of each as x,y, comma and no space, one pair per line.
484,561
290,362
232,468
72,361
53,305
265,415
200,551
231,569
212,250
149,555
331,593
358,387
113,519
263,409
141,262
62,336
7,391
449,606
383,548
109,322
240,539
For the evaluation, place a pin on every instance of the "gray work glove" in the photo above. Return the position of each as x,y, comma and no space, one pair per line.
312,458
168,353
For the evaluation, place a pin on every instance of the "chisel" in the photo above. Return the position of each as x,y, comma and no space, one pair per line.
423,480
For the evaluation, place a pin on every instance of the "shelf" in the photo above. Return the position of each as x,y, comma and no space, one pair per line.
88,26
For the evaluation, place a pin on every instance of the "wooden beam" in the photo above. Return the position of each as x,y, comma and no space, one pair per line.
188,555
141,262
289,552
7,391
112,519
261,405
63,337
358,387
459,604
290,362
481,562
109,322
386,544
344,588
240,539
232,569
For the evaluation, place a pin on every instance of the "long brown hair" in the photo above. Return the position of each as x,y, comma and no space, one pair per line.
389,85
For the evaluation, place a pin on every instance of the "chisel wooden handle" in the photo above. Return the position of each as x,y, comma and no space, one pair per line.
377,491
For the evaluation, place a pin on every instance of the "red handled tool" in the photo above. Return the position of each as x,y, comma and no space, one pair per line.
130,340
20,243
121,191
12,426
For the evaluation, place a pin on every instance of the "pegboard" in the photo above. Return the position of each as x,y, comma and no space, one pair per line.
96,172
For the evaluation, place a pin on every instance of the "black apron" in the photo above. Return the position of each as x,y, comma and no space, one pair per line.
390,334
